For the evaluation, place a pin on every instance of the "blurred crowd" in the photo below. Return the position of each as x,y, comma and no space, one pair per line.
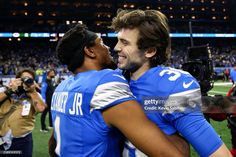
43,58
221,56
39,59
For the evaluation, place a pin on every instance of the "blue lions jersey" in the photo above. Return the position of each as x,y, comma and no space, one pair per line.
77,106
171,98
233,74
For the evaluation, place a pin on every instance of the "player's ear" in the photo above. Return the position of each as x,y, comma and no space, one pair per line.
150,52
89,51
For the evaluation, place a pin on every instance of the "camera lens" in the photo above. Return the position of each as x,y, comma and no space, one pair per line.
28,81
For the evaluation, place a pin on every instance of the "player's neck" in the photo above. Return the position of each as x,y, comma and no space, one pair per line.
140,71
88,66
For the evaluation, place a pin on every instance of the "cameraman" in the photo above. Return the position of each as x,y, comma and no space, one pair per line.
19,104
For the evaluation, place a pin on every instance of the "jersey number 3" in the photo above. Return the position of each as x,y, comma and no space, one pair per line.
175,74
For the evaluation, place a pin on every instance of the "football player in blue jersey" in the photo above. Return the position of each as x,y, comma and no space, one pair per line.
232,74
93,107
171,98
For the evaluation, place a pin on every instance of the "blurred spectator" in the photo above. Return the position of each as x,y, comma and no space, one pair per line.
226,74
48,87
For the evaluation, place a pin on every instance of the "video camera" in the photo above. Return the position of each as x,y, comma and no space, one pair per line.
199,64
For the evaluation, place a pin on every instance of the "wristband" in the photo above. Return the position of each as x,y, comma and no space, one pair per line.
9,92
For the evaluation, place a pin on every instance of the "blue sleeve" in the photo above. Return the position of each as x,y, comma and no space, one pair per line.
198,132
43,90
189,120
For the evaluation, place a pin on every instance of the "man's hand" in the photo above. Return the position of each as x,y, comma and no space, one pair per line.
130,119
52,146
29,89
180,143
14,84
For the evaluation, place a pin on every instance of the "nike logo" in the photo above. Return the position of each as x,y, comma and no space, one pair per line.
186,85
119,76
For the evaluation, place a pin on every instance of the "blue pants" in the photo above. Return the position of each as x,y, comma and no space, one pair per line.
21,147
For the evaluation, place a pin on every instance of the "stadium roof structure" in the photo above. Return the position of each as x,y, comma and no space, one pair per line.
54,15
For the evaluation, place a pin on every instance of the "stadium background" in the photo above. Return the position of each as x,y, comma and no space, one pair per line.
30,29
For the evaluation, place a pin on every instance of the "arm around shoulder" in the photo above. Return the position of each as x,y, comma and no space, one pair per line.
130,119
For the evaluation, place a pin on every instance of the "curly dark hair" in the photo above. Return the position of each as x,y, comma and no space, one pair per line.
70,49
30,71
153,31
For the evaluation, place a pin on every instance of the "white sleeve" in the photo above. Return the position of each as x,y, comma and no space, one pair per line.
109,94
